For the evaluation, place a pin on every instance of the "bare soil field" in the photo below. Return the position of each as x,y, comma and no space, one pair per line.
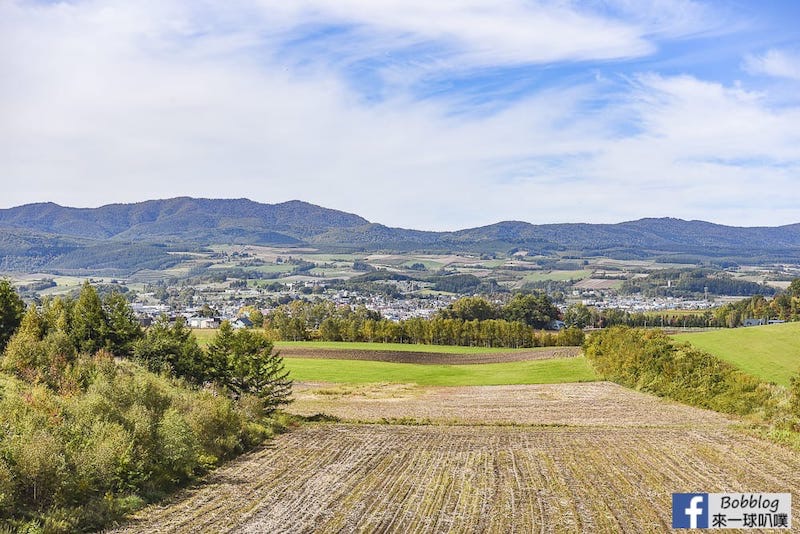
394,478
430,358
591,404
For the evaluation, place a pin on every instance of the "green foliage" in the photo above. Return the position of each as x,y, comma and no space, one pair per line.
794,390
85,437
11,310
77,461
649,360
172,349
457,283
535,310
244,362
89,323
794,288
471,309
577,315
123,328
304,321
693,283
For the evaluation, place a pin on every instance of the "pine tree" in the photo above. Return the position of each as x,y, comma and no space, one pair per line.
89,321
246,364
123,326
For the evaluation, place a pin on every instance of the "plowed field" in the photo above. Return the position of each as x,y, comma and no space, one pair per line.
430,358
391,478
593,404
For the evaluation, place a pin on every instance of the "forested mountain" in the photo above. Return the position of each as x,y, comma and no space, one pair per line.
147,234
182,219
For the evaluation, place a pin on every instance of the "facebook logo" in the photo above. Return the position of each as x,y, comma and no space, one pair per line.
690,510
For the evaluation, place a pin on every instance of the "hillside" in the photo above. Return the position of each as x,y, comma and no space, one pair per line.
769,352
49,236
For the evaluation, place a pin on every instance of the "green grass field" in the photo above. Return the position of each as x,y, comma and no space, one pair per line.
493,374
770,352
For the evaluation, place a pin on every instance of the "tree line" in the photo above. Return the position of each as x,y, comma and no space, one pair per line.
651,361
470,321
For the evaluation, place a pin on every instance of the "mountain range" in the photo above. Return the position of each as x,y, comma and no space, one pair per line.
147,234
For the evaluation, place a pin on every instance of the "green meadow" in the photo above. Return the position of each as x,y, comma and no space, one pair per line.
492,374
771,352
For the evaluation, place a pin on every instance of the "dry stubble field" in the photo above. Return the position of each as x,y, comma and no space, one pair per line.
589,457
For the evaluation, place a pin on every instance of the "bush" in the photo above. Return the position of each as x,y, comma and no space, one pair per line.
649,360
74,462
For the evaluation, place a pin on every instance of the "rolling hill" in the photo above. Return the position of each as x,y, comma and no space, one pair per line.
46,235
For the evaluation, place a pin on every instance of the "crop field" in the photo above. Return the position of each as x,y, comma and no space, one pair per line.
771,352
394,478
395,347
584,404
406,454
550,371
429,357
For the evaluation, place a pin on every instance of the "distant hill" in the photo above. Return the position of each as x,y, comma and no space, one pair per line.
182,219
147,234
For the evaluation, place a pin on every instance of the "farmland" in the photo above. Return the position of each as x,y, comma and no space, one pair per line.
448,478
575,369
583,404
519,446
770,352
430,357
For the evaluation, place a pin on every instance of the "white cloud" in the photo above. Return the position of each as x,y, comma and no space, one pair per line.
120,101
777,63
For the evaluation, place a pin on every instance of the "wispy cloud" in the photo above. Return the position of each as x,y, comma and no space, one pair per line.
777,63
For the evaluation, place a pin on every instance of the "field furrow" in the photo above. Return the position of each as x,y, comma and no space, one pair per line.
590,403
379,478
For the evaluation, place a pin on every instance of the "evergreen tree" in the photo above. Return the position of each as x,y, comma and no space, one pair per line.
244,362
123,326
22,351
89,321
172,348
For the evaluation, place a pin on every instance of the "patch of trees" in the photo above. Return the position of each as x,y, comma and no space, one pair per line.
118,256
457,283
87,433
532,309
692,283
785,306
470,321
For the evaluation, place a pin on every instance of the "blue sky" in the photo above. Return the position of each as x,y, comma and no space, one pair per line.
430,115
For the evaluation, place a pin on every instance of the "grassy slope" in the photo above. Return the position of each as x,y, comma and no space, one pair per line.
526,372
770,352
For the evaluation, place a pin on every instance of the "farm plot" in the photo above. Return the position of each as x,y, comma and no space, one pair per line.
379,478
598,284
430,358
591,404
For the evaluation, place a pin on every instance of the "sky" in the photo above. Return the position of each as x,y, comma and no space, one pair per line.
418,114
